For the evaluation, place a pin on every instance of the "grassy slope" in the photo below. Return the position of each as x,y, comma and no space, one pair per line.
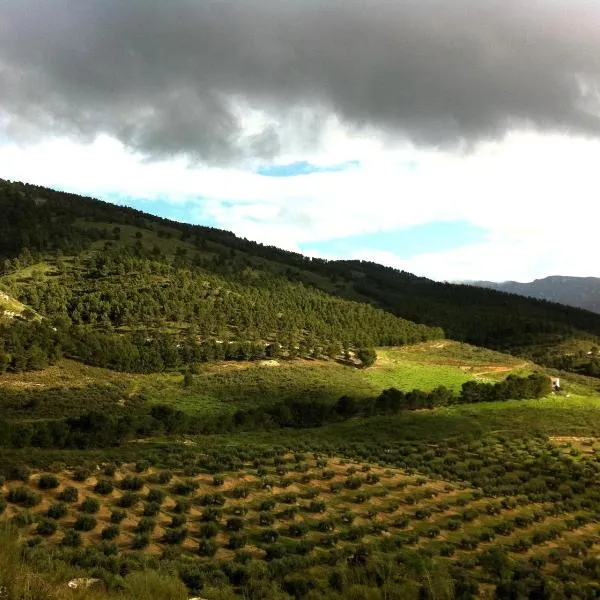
227,386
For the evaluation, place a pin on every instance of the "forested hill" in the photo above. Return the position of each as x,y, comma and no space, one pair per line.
582,292
125,285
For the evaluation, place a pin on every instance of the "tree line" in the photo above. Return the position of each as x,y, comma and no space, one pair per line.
98,429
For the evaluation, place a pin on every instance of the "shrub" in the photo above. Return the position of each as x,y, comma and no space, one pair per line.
209,530
151,509
353,483
267,504
269,536
69,494
164,477
289,498
131,484
207,547
81,474
184,488
432,532
48,481
236,541
174,536
104,487
240,491
234,524
85,523
144,525
71,538
90,505
23,496
218,480
156,495
177,521
109,470
211,515
266,519
116,516
182,506
46,527
57,511
298,529
128,500
110,532
140,541
317,507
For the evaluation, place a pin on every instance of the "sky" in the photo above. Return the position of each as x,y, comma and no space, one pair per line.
456,140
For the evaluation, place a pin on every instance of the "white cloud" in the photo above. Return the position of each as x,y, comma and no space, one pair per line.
535,194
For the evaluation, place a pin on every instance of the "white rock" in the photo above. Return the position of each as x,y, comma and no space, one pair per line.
83,582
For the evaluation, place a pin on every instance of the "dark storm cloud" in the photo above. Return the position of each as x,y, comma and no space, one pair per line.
169,78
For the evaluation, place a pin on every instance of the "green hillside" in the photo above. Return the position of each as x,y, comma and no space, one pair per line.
188,414
127,285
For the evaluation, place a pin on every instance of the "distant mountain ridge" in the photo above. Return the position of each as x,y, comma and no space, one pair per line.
580,292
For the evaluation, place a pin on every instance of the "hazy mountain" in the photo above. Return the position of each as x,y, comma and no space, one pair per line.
581,292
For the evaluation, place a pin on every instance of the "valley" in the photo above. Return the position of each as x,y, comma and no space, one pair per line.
185,413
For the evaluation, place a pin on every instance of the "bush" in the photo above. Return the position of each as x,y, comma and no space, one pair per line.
240,491
144,525
236,541
131,484
184,488
269,536
140,541
177,521
218,480
209,530
155,495
317,507
85,523
182,506
266,519
90,506
164,477
211,515
298,529
81,474
353,483
207,547
128,500
104,487
151,509
46,527
116,516
48,481
110,533
71,538
174,536
267,504
234,524
23,496
69,494
57,511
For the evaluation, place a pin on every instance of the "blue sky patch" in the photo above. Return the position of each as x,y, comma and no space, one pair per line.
184,212
438,236
303,167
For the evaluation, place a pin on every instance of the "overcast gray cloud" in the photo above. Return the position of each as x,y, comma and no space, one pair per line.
178,77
